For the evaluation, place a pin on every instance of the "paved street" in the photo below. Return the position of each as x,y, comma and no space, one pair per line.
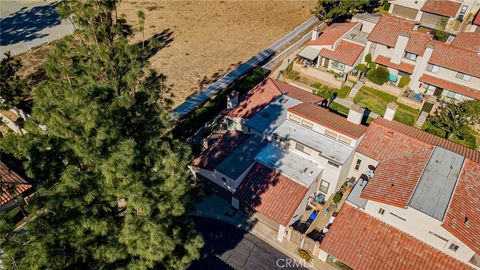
228,247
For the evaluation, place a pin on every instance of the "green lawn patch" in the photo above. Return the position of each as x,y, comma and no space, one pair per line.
339,108
326,91
428,127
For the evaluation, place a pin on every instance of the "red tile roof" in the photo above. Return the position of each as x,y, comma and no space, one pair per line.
467,41
333,33
364,243
455,58
417,42
388,28
255,99
385,61
328,119
395,179
263,93
211,157
297,93
388,139
466,91
271,193
464,204
441,7
476,21
11,184
346,52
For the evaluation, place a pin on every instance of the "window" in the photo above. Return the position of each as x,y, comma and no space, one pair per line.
331,134
381,211
410,56
338,66
294,118
324,185
344,139
451,94
463,76
224,180
357,165
453,247
432,68
302,148
397,216
333,164
307,124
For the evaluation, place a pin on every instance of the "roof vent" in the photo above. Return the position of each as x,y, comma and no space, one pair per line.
389,134
466,222
283,100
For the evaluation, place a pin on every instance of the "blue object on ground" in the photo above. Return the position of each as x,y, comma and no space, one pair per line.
392,77
312,216
417,97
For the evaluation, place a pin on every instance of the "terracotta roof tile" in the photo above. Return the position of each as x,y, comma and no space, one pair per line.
211,157
464,204
385,61
476,21
346,52
364,243
297,93
388,28
333,33
441,7
271,193
11,184
417,42
467,41
466,91
395,179
455,58
328,119
388,139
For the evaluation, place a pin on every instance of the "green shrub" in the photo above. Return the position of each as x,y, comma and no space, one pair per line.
404,81
337,197
368,58
386,5
378,75
372,65
361,67
293,75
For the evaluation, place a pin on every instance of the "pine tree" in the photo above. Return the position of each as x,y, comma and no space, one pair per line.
113,187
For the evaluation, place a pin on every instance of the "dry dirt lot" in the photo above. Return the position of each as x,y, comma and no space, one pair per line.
204,39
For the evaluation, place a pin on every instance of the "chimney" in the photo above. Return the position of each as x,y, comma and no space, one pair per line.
399,49
315,33
390,112
355,114
232,99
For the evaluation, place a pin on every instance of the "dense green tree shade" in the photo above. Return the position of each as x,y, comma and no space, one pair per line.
340,8
113,189
456,118
13,89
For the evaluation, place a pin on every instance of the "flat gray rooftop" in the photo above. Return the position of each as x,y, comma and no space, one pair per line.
309,53
290,164
373,18
270,117
435,187
354,196
328,148
239,160
357,36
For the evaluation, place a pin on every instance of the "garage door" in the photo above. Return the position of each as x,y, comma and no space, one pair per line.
430,19
406,12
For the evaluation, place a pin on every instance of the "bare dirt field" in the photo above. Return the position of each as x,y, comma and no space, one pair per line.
204,39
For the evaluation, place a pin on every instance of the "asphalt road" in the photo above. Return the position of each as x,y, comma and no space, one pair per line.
228,247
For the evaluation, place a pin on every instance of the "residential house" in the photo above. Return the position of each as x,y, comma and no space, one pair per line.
12,187
414,205
457,13
292,154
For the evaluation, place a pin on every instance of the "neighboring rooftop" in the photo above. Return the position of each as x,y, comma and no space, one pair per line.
364,242
210,158
435,187
290,164
328,119
445,8
11,184
373,18
417,42
463,218
271,193
239,160
461,89
388,28
331,34
454,58
328,148
346,52
468,41
385,61
357,36
297,93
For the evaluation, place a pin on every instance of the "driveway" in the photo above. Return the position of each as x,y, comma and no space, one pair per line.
228,247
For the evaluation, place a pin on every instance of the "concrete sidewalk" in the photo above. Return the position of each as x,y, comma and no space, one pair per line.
215,207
